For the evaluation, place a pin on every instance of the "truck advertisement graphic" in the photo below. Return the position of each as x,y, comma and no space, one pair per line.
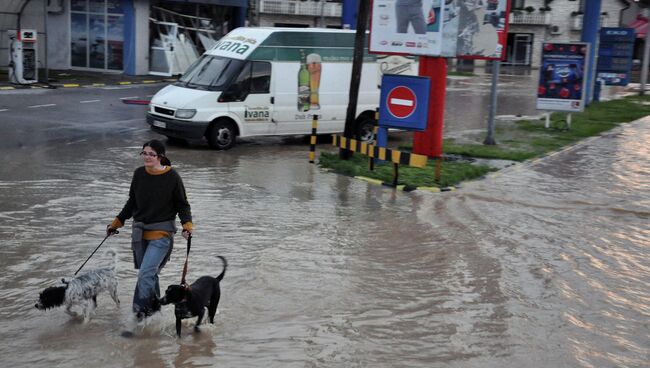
309,81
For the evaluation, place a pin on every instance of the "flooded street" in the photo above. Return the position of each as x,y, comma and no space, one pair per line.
543,264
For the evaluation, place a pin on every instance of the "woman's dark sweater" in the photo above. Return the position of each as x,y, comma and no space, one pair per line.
156,197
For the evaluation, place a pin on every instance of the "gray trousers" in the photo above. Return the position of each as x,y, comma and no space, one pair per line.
412,14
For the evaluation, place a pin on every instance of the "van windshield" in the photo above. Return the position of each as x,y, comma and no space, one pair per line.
210,73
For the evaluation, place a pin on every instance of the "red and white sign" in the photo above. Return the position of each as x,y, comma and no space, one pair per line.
401,102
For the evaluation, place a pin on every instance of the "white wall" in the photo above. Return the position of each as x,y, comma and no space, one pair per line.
141,36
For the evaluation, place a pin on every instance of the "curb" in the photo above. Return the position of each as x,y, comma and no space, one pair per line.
78,85
405,188
536,160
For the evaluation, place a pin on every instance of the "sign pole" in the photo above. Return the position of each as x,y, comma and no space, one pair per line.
429,142
496,67
646,61
357,64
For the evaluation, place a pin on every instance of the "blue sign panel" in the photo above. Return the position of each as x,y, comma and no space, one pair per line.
404,102
615,55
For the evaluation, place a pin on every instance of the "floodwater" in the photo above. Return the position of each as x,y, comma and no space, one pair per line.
543,265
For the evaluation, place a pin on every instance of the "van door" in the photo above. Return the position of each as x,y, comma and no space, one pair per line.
291,114
249,98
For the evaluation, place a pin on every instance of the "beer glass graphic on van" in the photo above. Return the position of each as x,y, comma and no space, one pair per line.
314,67
303,85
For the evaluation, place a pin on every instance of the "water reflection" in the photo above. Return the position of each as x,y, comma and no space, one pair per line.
542,265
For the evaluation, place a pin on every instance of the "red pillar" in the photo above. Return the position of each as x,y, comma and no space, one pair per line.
429,142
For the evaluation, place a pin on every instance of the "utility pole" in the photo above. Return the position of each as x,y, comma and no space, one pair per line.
590,27
355,80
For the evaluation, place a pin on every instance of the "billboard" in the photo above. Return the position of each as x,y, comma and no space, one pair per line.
445,28
615,53
482,31
407,27
561,82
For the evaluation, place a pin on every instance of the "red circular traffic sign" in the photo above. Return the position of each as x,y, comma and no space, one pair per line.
401,102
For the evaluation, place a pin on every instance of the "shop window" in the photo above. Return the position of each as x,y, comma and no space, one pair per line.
97,34
517,4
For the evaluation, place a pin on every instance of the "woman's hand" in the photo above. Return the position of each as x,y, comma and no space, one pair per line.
111,230
186,234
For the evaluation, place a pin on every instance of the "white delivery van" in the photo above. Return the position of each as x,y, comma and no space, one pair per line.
268,81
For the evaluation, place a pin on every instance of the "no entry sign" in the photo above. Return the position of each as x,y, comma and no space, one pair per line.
401,102
404,102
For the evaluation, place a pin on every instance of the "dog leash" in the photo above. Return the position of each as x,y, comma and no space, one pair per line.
91,254
187,256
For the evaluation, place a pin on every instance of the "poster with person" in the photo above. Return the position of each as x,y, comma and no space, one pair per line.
407,27
482,28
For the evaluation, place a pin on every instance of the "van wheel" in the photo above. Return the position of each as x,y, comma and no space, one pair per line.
365,131
222,135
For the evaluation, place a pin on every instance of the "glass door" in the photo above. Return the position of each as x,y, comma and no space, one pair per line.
97,34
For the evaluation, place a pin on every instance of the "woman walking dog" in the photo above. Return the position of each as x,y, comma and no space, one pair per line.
156,196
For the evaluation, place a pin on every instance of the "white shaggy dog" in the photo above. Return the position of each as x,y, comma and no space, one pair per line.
82,291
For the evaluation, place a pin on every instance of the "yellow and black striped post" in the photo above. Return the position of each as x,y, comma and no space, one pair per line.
312,142
371,160
381,153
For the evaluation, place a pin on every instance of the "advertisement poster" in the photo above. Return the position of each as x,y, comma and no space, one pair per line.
561,82
482,31
407,27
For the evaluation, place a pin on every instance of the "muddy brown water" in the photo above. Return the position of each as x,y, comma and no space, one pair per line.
544,264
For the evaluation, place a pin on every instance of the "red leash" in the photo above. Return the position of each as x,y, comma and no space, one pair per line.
187,256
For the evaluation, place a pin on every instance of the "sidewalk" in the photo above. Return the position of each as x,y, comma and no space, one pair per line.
77,78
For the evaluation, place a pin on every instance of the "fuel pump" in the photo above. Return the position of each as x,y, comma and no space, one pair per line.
23,56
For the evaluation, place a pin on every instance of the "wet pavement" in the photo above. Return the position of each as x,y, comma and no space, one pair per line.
541,265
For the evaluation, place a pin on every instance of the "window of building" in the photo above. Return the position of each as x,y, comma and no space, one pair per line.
517,4
97,34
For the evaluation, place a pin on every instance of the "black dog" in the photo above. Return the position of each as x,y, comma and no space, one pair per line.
191,300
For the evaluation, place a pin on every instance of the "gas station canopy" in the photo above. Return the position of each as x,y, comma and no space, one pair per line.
10,11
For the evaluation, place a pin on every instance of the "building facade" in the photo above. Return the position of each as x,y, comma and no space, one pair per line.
296,13
120,36
138,37
533,22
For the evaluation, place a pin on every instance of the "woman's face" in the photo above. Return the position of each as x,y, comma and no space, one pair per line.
150,157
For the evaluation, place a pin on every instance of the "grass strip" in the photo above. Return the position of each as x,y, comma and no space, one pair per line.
451,173
517,141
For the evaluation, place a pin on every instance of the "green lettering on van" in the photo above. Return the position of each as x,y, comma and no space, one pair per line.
232,47
242,50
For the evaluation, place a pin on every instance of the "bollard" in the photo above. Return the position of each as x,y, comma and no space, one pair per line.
312,143
371,160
